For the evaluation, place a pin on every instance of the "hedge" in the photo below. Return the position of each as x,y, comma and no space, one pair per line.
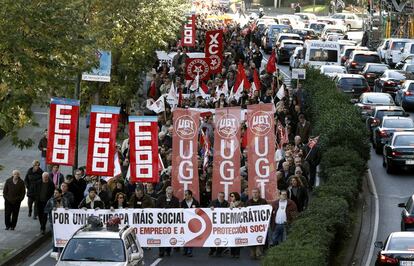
316,233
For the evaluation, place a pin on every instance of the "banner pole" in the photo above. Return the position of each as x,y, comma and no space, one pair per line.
77,97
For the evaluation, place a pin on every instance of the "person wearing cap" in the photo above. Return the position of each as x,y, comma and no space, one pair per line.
139,200
92,200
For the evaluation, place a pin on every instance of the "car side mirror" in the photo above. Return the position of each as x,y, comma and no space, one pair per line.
379,244
54,255
401,205
135,256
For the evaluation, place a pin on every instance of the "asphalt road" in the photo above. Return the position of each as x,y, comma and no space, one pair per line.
391,190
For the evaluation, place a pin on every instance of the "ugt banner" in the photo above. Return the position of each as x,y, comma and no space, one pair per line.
188,37
102,140
214,50
198,227
184,157
261,150
63,125
143,148
226,160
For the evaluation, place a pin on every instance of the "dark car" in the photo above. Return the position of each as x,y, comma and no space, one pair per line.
389,125
398,249
391,80
399,152
353,85
407,214
357,60
286,49
372,71
270,34
405,96
368,101
380,112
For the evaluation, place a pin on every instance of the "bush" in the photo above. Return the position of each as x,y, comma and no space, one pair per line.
315,234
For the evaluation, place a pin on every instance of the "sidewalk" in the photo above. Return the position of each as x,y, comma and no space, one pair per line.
27,235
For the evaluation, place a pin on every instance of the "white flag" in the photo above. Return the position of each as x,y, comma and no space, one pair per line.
158,106
117,168
172,98
194,86
281,92
239,91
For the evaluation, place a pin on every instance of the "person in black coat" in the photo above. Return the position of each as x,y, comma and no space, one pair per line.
167,201
298,193
31,180
189,202
220,202
92,201
313,157
44,191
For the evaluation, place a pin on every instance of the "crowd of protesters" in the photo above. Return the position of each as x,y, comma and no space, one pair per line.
296,154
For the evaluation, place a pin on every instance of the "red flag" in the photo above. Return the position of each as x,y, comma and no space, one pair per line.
143,149
261,139
152,90
226,161
102,140
63,122
271,64
256,82
241,76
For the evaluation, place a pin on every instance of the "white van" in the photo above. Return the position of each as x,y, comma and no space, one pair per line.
393,54
408,49
319,53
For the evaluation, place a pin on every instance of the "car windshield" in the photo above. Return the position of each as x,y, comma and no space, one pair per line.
349,51
333,70
275,31
396,75
363,58
381,113
398,123
407,140
397,45
353,82
377,68
378,98
317,27
323,55
291,45
409,68
94,249
289,38
338,16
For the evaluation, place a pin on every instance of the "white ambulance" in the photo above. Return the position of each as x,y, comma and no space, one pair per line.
319,53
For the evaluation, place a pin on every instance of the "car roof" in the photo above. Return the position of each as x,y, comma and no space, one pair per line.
388,108
278,26
350,76
376,64
292,41
356,52
402,133
365,94
289,34
394,117
101,232
333,66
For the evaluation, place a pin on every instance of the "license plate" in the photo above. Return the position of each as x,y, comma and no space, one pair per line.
410,162
406,263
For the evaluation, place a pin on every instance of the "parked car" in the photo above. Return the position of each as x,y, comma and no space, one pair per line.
102,246
332,70
369,100
372,71
388,126
405,96
382,48
286,49
399,152
351,21
380,112
358,58
406,60
391,80
396,250
407,214
270,33
351,84
347,50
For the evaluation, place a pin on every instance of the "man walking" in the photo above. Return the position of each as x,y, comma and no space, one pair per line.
32,180
44,192
13,193
256,252
283,213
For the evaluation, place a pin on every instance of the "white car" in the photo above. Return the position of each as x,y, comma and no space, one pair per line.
296,59
332,70
382,48
292,20
331,30
343,43
102,246
317,26
351,21
306,17
393,54
286,36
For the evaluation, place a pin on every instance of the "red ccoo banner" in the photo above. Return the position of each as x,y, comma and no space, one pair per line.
185,144
214,50
226,173
143,149
197,66
261,150
63,123
188,37
102,140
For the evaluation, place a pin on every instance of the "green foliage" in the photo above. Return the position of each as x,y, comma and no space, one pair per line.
45,45
318,231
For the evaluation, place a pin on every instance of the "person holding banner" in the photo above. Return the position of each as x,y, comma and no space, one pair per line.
167,201
92,201
189,202
57,201
235,203
139,200
220,202
256,252
283,213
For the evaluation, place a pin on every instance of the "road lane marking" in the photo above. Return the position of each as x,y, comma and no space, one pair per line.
154,263
375,233
41,258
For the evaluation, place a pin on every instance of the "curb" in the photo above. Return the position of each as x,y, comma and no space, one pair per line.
19,255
